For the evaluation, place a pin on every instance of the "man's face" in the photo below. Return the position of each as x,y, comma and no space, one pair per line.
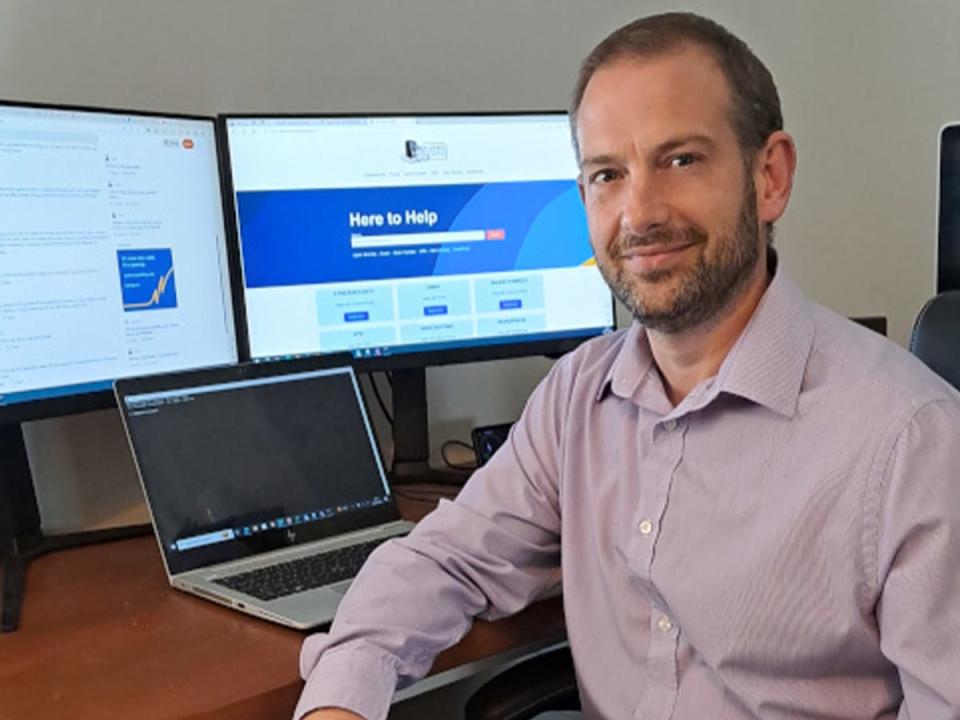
670,203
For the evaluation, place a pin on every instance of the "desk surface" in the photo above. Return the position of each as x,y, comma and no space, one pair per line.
103,635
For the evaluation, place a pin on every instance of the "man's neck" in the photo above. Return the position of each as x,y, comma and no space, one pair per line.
688,358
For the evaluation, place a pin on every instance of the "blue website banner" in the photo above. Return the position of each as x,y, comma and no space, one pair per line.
301,237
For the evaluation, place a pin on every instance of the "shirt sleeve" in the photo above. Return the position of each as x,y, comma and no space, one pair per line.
489,553
919,561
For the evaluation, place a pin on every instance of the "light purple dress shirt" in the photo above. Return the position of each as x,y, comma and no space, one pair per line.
784,543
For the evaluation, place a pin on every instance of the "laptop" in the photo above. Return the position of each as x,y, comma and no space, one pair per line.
264,483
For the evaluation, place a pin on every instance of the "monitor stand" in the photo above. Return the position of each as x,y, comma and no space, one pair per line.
20,529
411,435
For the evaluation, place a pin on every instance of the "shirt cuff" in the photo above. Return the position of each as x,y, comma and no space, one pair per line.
359,680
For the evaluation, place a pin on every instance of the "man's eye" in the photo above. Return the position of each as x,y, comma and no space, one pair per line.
603,176
683,160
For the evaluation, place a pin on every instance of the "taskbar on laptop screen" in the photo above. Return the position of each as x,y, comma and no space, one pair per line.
256,526
408,234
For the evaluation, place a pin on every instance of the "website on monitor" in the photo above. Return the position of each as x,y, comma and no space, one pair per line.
384,234
112,253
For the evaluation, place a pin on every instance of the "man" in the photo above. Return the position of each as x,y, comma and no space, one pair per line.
755,504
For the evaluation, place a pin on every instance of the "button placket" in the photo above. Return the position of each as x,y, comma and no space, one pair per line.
664,632
662,665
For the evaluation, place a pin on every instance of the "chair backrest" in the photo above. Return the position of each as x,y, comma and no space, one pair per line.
936,336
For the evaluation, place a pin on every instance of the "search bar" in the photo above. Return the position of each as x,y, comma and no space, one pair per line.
361,242
45,136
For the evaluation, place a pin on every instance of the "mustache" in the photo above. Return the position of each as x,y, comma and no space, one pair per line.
665,236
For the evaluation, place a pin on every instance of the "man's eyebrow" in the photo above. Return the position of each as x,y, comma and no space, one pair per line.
602,159
664,147
692,139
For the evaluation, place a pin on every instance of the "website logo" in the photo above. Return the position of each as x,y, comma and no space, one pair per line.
414,151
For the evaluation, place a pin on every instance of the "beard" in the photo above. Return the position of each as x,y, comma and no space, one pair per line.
702,291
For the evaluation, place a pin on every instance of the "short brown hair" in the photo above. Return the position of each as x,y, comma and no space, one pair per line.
755,114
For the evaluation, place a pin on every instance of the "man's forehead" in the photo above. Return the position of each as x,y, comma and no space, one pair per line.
682,93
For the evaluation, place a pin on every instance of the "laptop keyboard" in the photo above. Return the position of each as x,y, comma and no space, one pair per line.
306,573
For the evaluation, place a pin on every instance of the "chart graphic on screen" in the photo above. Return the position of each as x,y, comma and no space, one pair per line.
147,279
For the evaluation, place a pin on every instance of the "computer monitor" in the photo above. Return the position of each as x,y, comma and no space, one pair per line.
113,263
948,215
412,240
113,258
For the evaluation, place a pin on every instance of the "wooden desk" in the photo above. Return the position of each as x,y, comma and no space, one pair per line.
104,636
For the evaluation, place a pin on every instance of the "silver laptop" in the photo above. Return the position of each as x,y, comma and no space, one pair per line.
264,484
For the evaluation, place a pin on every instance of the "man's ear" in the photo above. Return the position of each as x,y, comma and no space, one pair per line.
773,173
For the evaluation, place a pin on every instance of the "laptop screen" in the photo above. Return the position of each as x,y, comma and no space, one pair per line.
235,467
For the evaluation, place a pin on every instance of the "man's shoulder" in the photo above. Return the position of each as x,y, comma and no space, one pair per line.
858,362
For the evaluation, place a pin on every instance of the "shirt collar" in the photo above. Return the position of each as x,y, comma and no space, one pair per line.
765,365
631,366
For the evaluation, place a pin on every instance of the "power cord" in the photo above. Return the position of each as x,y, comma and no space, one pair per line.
458,466
376,393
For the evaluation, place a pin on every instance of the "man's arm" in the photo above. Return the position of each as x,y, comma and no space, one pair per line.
489,553
919,561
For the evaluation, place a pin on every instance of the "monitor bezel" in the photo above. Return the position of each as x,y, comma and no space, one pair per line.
89,400
951,129
512,348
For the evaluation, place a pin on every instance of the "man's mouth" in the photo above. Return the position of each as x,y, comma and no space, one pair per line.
654,250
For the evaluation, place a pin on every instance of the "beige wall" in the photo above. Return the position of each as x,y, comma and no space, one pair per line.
866,84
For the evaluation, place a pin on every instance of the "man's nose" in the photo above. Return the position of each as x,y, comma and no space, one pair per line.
645,208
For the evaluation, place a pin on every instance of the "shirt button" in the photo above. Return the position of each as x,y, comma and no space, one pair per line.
665,625
646,527
670,425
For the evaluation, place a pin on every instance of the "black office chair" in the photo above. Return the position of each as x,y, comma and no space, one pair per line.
936,336
541,684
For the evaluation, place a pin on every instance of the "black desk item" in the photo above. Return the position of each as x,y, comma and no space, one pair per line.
936,336
487,439
948,215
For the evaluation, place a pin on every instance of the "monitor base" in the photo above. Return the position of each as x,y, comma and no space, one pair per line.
30,547
21,535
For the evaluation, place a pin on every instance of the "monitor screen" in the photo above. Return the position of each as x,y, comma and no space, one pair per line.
390,235
112,251
948,253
